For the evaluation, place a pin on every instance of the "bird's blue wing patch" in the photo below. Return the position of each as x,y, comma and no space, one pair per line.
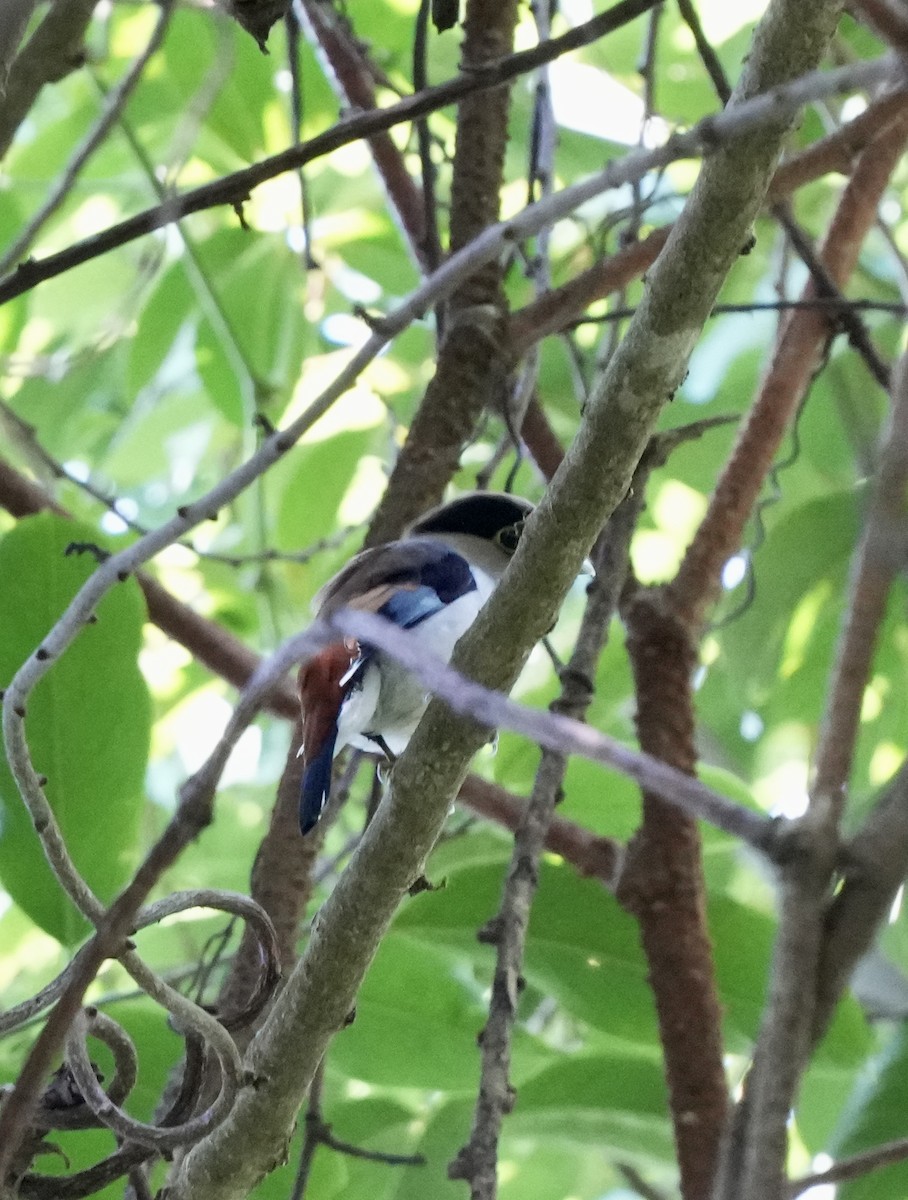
441,582
409,606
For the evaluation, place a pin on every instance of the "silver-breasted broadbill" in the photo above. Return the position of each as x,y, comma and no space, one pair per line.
433,582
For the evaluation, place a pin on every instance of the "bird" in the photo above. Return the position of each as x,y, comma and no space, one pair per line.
433,581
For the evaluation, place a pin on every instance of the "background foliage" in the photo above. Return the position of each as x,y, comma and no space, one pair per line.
145,372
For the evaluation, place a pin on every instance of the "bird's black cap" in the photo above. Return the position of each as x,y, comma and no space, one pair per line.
482,514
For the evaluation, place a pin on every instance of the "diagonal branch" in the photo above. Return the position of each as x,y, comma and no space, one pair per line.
477,1161
234,189
468,376
587,487
557,309
881,554
53,50
224,654
211,644
796,357
113,109
347,71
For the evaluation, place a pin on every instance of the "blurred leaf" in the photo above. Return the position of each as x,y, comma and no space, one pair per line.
617,1101
163,317
874,1113
417,1022
87,726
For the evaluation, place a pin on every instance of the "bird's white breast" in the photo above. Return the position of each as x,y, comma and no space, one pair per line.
390,701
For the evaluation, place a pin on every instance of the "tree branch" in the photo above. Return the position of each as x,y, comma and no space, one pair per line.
557,309
232,190
346,70
662,885
854,1167
796,356
113,109
211,644
477,1161
468,376
880,555
874,866
591,482
53,50
218,649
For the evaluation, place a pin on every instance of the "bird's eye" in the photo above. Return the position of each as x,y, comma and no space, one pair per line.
508,537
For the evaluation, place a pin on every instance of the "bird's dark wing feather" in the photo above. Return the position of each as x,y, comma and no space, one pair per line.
413,562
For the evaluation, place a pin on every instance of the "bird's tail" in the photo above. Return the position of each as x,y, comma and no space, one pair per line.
316,785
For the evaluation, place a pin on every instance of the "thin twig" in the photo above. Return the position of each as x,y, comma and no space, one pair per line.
558,309
477,1161
116,923
558,733
854,1167
619,418
234,189
292,23
783,388
591,856
431,248
350,75
738,120
114,105
113,928
208,642
823,282
311,1138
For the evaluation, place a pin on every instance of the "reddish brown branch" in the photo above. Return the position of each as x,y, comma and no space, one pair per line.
540,438
880,555
470,375
837,151
555,310
799,350
662,885
345,61
592,856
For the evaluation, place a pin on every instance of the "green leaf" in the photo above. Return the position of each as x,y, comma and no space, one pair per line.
417,1021
87,726
581,948
161,320
257,283
615,1100
877,1112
